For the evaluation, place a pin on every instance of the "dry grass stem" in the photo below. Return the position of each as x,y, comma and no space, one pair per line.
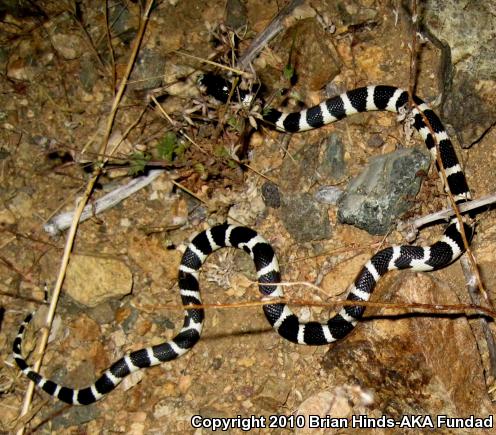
79,209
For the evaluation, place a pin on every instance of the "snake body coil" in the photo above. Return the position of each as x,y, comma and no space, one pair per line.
440,254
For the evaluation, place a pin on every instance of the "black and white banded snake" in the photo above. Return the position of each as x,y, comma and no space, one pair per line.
443,252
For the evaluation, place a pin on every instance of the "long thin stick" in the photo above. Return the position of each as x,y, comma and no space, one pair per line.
263,38
415,307
475,278
412,225
474,294
413,54
63,220
56,291
72,231
211,62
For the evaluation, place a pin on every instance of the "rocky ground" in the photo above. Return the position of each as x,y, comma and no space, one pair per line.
58,80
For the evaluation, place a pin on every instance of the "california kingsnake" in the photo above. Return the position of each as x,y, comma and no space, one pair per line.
436,256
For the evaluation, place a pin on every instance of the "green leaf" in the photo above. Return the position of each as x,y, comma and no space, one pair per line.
167,146
288,72
235,123
138,162
221,151
199,168
181,149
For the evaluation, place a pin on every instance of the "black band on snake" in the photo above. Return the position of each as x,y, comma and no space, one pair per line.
440,254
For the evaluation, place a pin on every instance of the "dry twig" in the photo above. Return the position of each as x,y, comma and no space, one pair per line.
411,226
63,220
473,291
72,231
264,37
474,281
439,162
464,309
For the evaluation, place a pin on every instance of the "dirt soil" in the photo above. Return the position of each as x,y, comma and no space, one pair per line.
57,87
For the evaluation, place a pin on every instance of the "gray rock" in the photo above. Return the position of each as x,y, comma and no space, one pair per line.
304,218
236,14
74,416
328,194
103,313
271,195
122,22
379,195
148,70
468,111
375,141
302,172
130,321
68,46
88,74
469,29
333,165
163,322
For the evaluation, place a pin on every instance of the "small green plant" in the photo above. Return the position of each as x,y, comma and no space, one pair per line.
235,123
224,153
221,151
289,72
200,169
170,147
138,162
232,164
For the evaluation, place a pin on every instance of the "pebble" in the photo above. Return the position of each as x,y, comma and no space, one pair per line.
102,313
328,194
74,416
68,46
375,141
94,280
271,195
236,14
273,394
21,205
148,70
333,166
